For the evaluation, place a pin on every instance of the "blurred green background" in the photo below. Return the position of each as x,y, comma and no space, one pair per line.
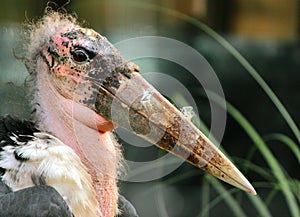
265,32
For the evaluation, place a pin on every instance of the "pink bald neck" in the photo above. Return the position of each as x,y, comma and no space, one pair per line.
87,133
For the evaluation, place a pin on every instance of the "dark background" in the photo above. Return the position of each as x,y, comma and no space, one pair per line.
265,32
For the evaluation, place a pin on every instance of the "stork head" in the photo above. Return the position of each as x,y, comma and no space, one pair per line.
86,68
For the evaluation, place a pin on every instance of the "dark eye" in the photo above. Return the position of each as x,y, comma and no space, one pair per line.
79,55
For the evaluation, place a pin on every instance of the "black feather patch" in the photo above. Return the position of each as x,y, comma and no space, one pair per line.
19,156
2,171
12,127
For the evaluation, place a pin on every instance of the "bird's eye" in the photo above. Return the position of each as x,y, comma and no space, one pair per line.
79,56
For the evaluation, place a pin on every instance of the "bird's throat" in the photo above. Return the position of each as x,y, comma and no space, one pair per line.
97,150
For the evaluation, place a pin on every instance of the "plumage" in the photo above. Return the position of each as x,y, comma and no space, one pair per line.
39,158
42,201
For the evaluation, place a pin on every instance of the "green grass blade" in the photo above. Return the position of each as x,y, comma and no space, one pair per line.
212,203
266,153
260,206
248,165
286,140
205,199
227,197
257,202
272,194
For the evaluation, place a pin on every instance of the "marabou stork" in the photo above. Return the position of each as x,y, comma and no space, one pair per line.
82,89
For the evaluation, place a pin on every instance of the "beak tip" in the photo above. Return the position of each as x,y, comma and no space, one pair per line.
252,191
246,186
237,179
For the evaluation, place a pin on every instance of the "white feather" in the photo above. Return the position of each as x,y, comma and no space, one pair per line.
59,166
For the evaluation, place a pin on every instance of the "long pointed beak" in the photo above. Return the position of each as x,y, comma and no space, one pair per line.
138,107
